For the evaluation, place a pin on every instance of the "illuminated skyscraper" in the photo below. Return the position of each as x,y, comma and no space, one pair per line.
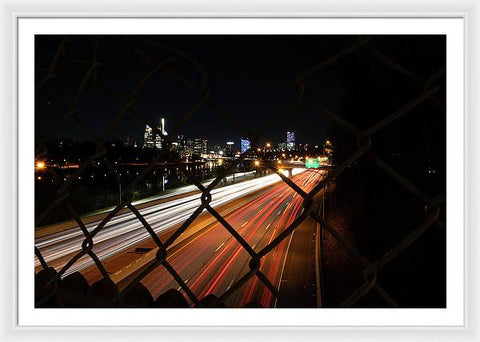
244,145
229,149
148,140
199,146
290,141
151,140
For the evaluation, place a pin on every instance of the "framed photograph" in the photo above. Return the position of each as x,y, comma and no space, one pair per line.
239,172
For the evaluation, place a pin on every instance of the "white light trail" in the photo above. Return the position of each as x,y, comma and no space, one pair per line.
125,230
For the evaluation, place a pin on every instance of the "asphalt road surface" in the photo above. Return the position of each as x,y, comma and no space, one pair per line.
211,261
124,231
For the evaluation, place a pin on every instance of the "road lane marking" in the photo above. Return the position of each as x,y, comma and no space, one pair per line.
268,226
260,210
219,246
283,267
271,237
230,285
243,225
279,212
180,287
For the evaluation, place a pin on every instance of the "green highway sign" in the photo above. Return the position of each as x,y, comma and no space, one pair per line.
312,163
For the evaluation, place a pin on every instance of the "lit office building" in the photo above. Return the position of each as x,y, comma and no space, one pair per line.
290,141
229,149
175,147
244,145
148,139
151,140
200,146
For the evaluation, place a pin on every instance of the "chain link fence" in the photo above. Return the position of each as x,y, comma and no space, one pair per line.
193,76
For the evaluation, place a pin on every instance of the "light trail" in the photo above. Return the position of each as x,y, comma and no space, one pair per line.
211,269
125,230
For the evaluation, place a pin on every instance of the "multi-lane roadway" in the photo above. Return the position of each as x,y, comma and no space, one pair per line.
125,230
210,260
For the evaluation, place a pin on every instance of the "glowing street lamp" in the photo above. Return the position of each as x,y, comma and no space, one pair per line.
40,165
257,163
279,161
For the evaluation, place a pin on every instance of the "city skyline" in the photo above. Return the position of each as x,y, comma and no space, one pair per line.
259,83
188,146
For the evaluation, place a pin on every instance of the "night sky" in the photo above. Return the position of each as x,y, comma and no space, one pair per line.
250,77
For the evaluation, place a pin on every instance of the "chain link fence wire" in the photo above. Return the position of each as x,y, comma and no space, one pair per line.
190,74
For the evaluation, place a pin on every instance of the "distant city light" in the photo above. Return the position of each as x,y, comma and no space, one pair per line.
290,143
244,145
40,165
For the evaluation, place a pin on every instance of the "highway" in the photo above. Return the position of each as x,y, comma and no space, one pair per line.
125,230
212,260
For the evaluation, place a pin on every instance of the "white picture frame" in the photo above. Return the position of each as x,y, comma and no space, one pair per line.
12,12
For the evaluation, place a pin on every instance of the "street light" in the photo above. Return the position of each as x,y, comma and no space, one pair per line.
268,145
257,163
40,165
279,161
